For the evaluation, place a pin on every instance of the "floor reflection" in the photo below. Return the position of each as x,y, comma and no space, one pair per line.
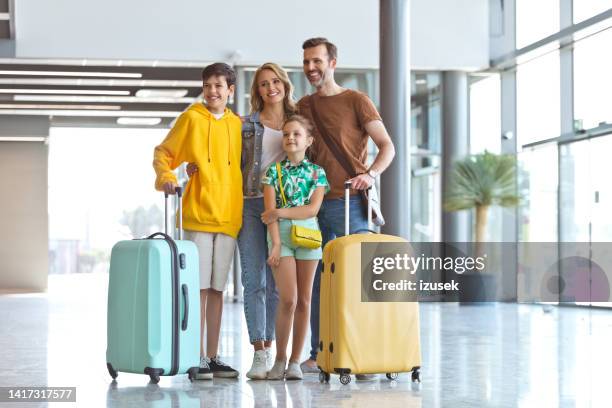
499,355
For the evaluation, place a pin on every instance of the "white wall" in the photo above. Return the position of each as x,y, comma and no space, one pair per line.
446,34
450,34
23,210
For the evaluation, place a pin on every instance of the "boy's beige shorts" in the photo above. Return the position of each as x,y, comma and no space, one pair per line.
216,253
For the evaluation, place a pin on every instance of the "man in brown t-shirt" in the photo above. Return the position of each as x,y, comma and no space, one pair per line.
349,117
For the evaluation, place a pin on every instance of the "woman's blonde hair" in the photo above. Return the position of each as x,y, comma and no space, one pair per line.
257,100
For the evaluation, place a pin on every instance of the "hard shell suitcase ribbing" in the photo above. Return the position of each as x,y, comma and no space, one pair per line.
153,320
359,337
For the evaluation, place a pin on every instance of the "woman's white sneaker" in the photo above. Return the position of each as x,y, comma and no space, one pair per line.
293,372
259,369
278,370
269,358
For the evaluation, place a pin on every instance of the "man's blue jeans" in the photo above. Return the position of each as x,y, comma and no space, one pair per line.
331,221
260,294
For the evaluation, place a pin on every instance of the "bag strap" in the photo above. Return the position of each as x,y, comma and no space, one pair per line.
280,183
331,144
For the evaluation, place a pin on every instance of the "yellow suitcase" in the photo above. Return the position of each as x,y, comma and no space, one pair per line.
362,337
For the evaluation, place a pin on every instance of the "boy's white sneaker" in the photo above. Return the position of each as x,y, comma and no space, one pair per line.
259,369
293,372
278,370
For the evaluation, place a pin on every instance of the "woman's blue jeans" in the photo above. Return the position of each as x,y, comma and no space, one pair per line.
260,295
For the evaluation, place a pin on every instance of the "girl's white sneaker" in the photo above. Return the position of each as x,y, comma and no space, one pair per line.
293,372
278,370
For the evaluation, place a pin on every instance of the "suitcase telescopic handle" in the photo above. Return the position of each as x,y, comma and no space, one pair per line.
347,196
179,195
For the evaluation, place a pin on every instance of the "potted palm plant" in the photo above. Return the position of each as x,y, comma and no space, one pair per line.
479,182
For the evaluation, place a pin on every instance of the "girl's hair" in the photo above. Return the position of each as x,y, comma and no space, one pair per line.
302,121
256,99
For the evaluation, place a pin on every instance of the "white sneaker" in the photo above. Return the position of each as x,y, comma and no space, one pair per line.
278,370
259,367
269,358
293,372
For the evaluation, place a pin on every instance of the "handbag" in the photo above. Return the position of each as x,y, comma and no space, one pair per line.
377,216
301,236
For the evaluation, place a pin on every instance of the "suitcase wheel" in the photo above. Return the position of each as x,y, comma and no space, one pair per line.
324,377
392,376
154,378
345,379
416,375
113,373
191,373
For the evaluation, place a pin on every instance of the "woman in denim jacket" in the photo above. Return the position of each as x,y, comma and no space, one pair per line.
271,103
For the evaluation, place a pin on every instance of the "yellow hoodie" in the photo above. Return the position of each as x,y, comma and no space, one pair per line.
212,201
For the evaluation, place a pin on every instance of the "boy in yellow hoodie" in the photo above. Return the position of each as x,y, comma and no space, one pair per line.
212,203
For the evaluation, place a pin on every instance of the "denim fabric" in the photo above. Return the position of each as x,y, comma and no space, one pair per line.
260,295
331,221
250,164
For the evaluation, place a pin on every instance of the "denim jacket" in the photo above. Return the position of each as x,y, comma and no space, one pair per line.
252,138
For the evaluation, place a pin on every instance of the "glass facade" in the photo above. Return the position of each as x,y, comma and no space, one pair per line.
564,179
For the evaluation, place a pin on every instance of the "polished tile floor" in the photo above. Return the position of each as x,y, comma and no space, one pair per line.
501,355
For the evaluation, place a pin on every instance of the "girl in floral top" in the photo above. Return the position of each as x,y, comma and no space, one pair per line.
293,267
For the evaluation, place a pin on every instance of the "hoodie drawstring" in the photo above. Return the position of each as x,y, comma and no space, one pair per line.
229,144
209,141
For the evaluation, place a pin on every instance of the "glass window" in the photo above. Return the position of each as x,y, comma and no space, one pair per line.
100,194
485,134
538,99
535,20
538,186
584,9
485,114
426,135
592,80
426,110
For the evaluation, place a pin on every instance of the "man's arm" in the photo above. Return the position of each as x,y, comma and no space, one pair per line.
386,152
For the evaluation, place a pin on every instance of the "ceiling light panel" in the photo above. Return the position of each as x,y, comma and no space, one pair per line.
160,93
73,74
99,99
139,121
161,83
56,106
63,91
76,112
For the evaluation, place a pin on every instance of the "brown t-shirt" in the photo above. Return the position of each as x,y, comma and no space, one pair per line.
344,116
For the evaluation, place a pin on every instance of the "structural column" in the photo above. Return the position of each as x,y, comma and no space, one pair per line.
395,111
455,146
24,215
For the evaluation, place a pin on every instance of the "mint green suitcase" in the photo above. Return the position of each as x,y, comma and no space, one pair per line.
153,320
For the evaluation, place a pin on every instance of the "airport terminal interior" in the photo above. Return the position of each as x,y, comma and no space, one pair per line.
88,91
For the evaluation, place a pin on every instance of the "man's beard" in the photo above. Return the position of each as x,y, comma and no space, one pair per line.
322,77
